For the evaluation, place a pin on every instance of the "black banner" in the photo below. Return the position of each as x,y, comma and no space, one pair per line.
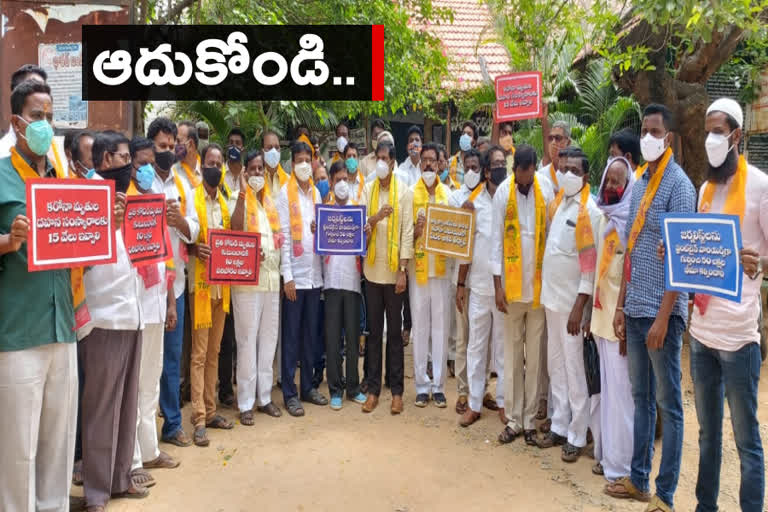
233,62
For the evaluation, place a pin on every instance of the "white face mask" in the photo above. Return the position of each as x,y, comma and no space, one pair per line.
303,171
471,179
429,178
272,158
651,147
341,190
256,183
559,177
717,148
382,169
341,143
571,184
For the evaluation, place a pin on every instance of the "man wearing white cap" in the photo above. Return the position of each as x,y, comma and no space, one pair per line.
725,338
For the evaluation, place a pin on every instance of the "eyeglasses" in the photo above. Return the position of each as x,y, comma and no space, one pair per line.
556,138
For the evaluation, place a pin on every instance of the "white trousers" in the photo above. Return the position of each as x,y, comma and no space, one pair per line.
151,367
38,390
256,325
565,361
452,332
486,333
616,411
430,310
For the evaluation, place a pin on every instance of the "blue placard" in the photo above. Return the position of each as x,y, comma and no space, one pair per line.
702,254
339,230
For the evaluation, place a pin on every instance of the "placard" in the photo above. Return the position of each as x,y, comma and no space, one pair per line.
71,223
449,231
64,64
518,96
340,230
145,231
702,254
234,257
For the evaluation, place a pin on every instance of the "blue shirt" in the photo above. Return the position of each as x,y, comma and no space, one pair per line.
646,287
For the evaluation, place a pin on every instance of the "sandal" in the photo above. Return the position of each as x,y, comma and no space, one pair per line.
530,437
546,426
163,461
624,489
135,492
77,473
141,478
597,469
508,435
221,422
246,418
201,437
656,505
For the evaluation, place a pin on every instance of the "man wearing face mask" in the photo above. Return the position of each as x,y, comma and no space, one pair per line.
342,139
81,162
467,141
110,351
568,275
410,170
184,229
38,353
428,288
517,259
275,177
390,246
460,323
302,274
257,308
558,139
612,409
356,178
725,346
650,319
210,303
368,162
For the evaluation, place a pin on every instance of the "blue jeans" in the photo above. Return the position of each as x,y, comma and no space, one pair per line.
656,375
717,373
299,341
170,402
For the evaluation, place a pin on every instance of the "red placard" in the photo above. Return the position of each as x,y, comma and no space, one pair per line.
71,223
234,258
518,96
145,231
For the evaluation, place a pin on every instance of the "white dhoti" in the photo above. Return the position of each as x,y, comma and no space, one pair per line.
151,367
486,334
567,380
430,310
256,326
617,411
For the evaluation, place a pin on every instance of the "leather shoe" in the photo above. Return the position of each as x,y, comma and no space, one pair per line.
502,416
461,405
397,404
370,403
469,418
489,402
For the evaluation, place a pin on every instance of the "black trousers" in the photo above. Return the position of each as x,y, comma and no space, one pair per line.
342,309
382,299
407,322
227,357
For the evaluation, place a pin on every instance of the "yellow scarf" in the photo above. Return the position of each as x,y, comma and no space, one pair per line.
182,195
194,181
421,259
513,249
60,171
454,169
202,314
642,210
640,170
297,226
252,214
478,190
82,316
735,204
611,244
585,238
393,224
553,176
282,177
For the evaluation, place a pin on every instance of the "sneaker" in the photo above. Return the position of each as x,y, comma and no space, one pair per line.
551,439
421,400
439,400
359,398
570,453
336,403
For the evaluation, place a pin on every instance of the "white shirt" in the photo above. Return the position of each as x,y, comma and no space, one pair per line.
562,279
526,208
728,325
233,182
112,295
342,273
354,186
215,220
543,172
409,172
306,270
7,142
480,277
178,240
154,300
269,266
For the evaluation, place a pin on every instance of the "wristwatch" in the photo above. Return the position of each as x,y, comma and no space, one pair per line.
402,269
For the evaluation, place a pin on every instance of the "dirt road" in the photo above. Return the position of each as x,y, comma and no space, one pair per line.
420,461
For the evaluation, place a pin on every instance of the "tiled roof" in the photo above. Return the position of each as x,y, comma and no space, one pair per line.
461,37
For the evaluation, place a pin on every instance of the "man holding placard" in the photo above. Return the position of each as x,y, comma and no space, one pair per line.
429,286
725,340
653,320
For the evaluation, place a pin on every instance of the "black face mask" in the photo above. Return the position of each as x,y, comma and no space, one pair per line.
212,176
498,175
120,175
164,159
726,169
524,188
234,153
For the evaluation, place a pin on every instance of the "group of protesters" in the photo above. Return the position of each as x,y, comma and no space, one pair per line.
90,356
